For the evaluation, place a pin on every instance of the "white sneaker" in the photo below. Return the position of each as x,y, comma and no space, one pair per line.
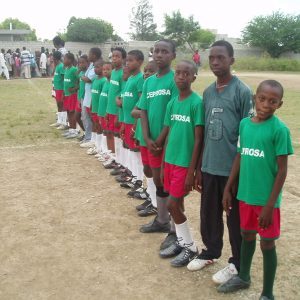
198,264
108,162
62,127
225,274
105,156
92,151
88,144
66,133
72,135
55,124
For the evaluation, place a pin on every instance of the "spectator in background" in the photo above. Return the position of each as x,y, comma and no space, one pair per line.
59,44
43,62
9,60
196,59
110,54
3,67
17,65
25,63
150,54
50,65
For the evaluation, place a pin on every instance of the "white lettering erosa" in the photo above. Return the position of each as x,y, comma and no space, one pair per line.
253,152
162,92
181,118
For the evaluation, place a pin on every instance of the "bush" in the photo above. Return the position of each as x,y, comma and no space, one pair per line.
267,64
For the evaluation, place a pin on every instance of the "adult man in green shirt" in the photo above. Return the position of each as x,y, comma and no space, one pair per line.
226,102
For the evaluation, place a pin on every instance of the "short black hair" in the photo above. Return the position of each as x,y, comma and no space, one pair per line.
99,61
58,41
42,49
84,56
121,50
97,52
170,42
191,64
71,57
138,54
24,48
227,45
57,55
272,83
2,51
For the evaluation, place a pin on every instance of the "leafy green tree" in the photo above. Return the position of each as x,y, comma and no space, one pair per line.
17,24
187,30
88,30
141,22
276,33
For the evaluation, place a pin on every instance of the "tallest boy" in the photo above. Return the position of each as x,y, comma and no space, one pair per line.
226,102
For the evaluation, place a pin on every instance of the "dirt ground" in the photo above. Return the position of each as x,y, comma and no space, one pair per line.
69,232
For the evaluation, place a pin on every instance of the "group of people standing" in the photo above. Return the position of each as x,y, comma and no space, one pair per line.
26,64
153,124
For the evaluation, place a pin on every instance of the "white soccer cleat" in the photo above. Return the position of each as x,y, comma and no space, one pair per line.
197,264
225,274
92,151
88,144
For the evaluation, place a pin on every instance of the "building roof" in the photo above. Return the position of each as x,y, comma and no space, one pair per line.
15,31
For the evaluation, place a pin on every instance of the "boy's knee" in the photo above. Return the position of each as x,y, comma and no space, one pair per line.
248,236
267,245
147,172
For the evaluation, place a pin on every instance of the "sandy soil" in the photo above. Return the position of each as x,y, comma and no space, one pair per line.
69,232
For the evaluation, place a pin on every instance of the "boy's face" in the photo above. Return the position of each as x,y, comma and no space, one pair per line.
267,100
107,70
67,62
132,63
184,76
163,54
117,59
220,61
98,69
126,73
149,70
83,64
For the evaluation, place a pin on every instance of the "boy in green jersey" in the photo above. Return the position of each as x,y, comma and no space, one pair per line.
82,67
97,86
157,92
184,127
149,206
264,145
58,85
70,94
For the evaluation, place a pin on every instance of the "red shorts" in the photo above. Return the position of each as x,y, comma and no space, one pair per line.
78,107
59,95
70,102
249,221
129,141
174,180
103,124
149,159
111,124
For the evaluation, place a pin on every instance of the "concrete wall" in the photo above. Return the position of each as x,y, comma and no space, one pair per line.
240,50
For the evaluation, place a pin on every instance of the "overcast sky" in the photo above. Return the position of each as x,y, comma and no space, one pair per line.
229,16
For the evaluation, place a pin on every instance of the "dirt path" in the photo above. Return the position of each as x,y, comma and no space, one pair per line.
69,232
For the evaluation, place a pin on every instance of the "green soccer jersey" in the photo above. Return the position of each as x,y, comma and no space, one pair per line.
259,146
81,90
182,117
103,99
138,130
131,95
58,79
70,80
97,86
157,92
223,113
114,91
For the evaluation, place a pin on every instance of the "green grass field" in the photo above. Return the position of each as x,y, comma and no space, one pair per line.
27,107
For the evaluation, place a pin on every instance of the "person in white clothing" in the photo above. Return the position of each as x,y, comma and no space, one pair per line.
3,67
43,62
25,63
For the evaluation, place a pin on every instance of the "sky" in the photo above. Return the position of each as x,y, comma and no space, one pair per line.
228,17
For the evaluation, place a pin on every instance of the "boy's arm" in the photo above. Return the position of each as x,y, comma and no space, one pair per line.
190,178
136,113
231,184
145,128
198,176
266,216
86,79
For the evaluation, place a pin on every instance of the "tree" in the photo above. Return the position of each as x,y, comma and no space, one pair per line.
88,30
17,24
276,33
188,31
142,24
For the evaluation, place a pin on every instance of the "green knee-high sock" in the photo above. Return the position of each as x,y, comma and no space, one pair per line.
270,265
247,251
